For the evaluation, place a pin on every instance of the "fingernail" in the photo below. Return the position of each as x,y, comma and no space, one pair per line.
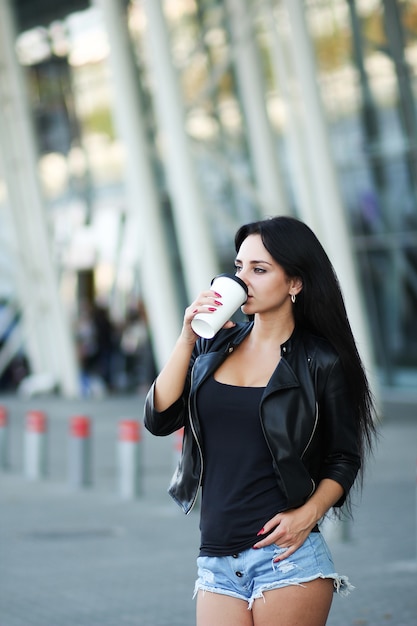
255,547
212,308
261,532
218,303
195,310
218,295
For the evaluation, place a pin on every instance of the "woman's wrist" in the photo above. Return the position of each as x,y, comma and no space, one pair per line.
326,495
187,341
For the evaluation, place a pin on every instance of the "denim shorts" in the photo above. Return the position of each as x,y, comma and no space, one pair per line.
248,574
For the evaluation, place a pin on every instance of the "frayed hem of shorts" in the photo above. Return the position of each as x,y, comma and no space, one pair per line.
222,592
341,585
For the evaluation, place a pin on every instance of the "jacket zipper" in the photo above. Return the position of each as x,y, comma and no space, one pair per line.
313,431
199,447
229,349
309,442
263,430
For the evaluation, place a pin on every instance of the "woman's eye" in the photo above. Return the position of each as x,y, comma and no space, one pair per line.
259,270
237,268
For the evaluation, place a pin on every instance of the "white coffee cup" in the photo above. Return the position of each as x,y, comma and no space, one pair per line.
233,292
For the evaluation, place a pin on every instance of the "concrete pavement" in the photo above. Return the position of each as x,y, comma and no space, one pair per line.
89,558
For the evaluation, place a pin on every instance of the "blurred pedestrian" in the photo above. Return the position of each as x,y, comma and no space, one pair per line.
136,350
87,342
278,417
95,337
106,339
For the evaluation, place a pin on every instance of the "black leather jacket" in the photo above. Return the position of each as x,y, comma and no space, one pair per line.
305,412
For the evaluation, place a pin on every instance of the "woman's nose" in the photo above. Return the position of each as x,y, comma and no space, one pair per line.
242,276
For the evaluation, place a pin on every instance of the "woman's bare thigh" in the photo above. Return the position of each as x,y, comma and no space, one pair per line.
295,605
216,609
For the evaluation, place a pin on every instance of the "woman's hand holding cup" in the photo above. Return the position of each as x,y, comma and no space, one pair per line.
215,308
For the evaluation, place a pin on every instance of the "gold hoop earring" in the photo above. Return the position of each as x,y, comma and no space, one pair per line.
293,298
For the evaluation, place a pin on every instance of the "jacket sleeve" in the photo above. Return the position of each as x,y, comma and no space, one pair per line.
342,458
162,423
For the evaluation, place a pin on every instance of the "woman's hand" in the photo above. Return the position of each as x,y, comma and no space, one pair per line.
206,302
289,530
169,384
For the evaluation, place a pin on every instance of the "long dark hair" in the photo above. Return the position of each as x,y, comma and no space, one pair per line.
319,306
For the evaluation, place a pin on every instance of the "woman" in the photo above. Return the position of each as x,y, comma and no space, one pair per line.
277,418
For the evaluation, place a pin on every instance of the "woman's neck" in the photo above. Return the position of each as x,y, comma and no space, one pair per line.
274,331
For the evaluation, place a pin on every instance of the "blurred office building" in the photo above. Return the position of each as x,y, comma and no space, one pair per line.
137,135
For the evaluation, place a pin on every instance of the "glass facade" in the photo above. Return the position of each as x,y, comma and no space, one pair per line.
368,61
366,57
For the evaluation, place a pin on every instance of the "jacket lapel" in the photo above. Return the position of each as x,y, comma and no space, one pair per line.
205,365
283,377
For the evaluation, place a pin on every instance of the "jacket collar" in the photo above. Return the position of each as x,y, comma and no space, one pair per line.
283,377
242,330
288,346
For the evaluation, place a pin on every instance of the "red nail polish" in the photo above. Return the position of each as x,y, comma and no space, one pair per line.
255,547
195,310
261,532
218,295
218,303
212,308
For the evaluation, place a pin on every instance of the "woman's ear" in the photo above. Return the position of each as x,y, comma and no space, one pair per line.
296,285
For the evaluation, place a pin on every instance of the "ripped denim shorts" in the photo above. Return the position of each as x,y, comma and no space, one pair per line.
248,574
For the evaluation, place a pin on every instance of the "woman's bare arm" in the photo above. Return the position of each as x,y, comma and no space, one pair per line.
169,384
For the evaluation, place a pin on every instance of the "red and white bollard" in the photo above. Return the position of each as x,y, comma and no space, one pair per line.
4,439
36,452
79,457
130,461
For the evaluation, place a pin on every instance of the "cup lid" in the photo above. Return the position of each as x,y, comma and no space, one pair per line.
232,277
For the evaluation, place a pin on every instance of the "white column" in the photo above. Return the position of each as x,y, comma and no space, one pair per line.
278,35
334,229
192,228
47,331
144,219
262,142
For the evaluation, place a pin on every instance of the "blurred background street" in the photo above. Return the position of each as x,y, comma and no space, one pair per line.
136,136
88,557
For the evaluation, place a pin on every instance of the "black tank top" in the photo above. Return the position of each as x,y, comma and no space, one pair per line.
240,491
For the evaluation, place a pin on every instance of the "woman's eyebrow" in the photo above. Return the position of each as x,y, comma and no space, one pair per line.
255,262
